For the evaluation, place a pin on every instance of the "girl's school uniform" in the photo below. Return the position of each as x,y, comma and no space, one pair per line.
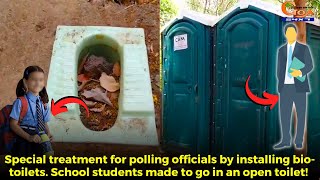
29,123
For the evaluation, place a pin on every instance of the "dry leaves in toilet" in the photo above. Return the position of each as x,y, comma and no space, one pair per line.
97,95
99,87
109,83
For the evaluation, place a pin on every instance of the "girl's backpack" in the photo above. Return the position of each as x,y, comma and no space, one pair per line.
7,136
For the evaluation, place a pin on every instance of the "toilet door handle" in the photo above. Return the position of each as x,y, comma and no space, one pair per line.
195,88
165,73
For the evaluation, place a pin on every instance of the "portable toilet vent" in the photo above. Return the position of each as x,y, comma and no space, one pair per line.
135,122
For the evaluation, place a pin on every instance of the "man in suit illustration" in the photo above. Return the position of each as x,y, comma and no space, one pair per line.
292,90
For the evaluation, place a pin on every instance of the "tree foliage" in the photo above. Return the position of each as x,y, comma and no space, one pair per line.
213,7
167,11
217,7
316,6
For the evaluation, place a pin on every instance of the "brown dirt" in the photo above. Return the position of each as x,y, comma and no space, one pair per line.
100,121
28,31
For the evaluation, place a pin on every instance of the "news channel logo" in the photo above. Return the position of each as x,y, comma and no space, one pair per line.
296,13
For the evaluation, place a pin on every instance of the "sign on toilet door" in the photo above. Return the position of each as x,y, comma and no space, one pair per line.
180,42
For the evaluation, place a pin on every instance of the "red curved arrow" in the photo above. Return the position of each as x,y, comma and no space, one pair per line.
271,99
59,106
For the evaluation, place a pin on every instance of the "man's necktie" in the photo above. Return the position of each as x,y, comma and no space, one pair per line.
41,126
289,60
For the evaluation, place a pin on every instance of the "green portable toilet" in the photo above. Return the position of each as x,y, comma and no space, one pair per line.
248,37
243,42
247,41
186,59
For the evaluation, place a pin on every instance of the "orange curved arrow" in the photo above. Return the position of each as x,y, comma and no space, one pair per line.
59,106
269,99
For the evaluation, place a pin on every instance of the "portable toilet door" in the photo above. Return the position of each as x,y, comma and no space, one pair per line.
313,118
186,73
242,51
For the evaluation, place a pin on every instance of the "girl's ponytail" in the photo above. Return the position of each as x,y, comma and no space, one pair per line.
44,95
20,90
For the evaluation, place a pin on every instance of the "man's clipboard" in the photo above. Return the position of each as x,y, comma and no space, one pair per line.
297,64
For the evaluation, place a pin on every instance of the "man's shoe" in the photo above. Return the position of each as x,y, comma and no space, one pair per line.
299,146
282,145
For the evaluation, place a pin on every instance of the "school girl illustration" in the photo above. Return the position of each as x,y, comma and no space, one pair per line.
33,125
